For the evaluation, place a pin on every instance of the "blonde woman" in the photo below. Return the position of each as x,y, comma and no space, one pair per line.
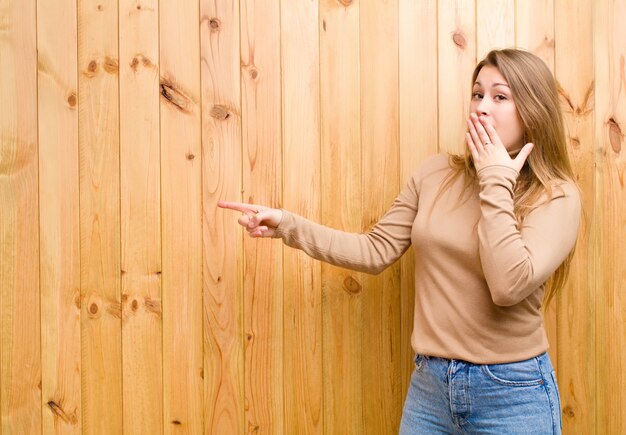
493,233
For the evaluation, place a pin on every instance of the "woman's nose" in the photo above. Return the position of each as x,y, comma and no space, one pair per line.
482,108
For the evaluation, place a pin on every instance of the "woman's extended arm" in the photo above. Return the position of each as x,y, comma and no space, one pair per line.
371,252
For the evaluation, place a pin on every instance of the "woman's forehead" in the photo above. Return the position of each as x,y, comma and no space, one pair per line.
490,76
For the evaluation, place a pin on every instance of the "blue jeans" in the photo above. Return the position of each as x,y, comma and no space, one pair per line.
457,397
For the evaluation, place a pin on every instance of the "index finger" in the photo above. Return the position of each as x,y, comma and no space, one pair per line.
238,206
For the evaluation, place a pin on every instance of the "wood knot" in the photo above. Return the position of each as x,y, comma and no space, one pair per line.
134,305
568,411
190,156
615,135
174,96
345,3
71,100
100,8
249,336
134,64
254,72
214,24
351,285
92,67
219,112
124,298
138,7
110,65
459,39
176,422
58,411
153,306
93,309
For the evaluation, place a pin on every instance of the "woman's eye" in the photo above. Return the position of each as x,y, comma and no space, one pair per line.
476,95
501,97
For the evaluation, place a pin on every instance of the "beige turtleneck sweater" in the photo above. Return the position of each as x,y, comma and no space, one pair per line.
479,280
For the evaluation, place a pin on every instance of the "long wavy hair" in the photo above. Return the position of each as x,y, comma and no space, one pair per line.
535,93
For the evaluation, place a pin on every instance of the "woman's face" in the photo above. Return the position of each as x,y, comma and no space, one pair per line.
492,98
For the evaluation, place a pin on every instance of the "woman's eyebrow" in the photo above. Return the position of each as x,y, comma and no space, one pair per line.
494,85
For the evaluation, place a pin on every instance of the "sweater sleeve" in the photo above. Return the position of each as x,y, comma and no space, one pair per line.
517,261
371,252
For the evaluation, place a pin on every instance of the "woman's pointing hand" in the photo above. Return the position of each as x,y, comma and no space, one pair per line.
258,220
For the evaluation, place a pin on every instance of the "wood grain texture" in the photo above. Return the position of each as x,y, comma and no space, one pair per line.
534,28
495,25
342,295
59,218
222,236
262,184
98,141
301,172
418,135
20,340
382,401
577,302
140,210
610,218
181,214
457,59
129,303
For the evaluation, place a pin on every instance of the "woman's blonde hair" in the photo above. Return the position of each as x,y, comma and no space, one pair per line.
536,97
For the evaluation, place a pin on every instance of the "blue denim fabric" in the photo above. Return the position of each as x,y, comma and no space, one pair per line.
457,397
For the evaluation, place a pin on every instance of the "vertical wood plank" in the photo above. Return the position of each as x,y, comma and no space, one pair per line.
98,139
534,28
382,402
140,217
302,275
495,25
223,251
20,335
610,217
341,209
418,134
534,31
59,217
262,184
181,214
457,59
576,303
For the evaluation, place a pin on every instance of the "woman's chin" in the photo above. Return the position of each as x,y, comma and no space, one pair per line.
513,150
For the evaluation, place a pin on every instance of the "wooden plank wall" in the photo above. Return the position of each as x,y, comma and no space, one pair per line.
131,304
